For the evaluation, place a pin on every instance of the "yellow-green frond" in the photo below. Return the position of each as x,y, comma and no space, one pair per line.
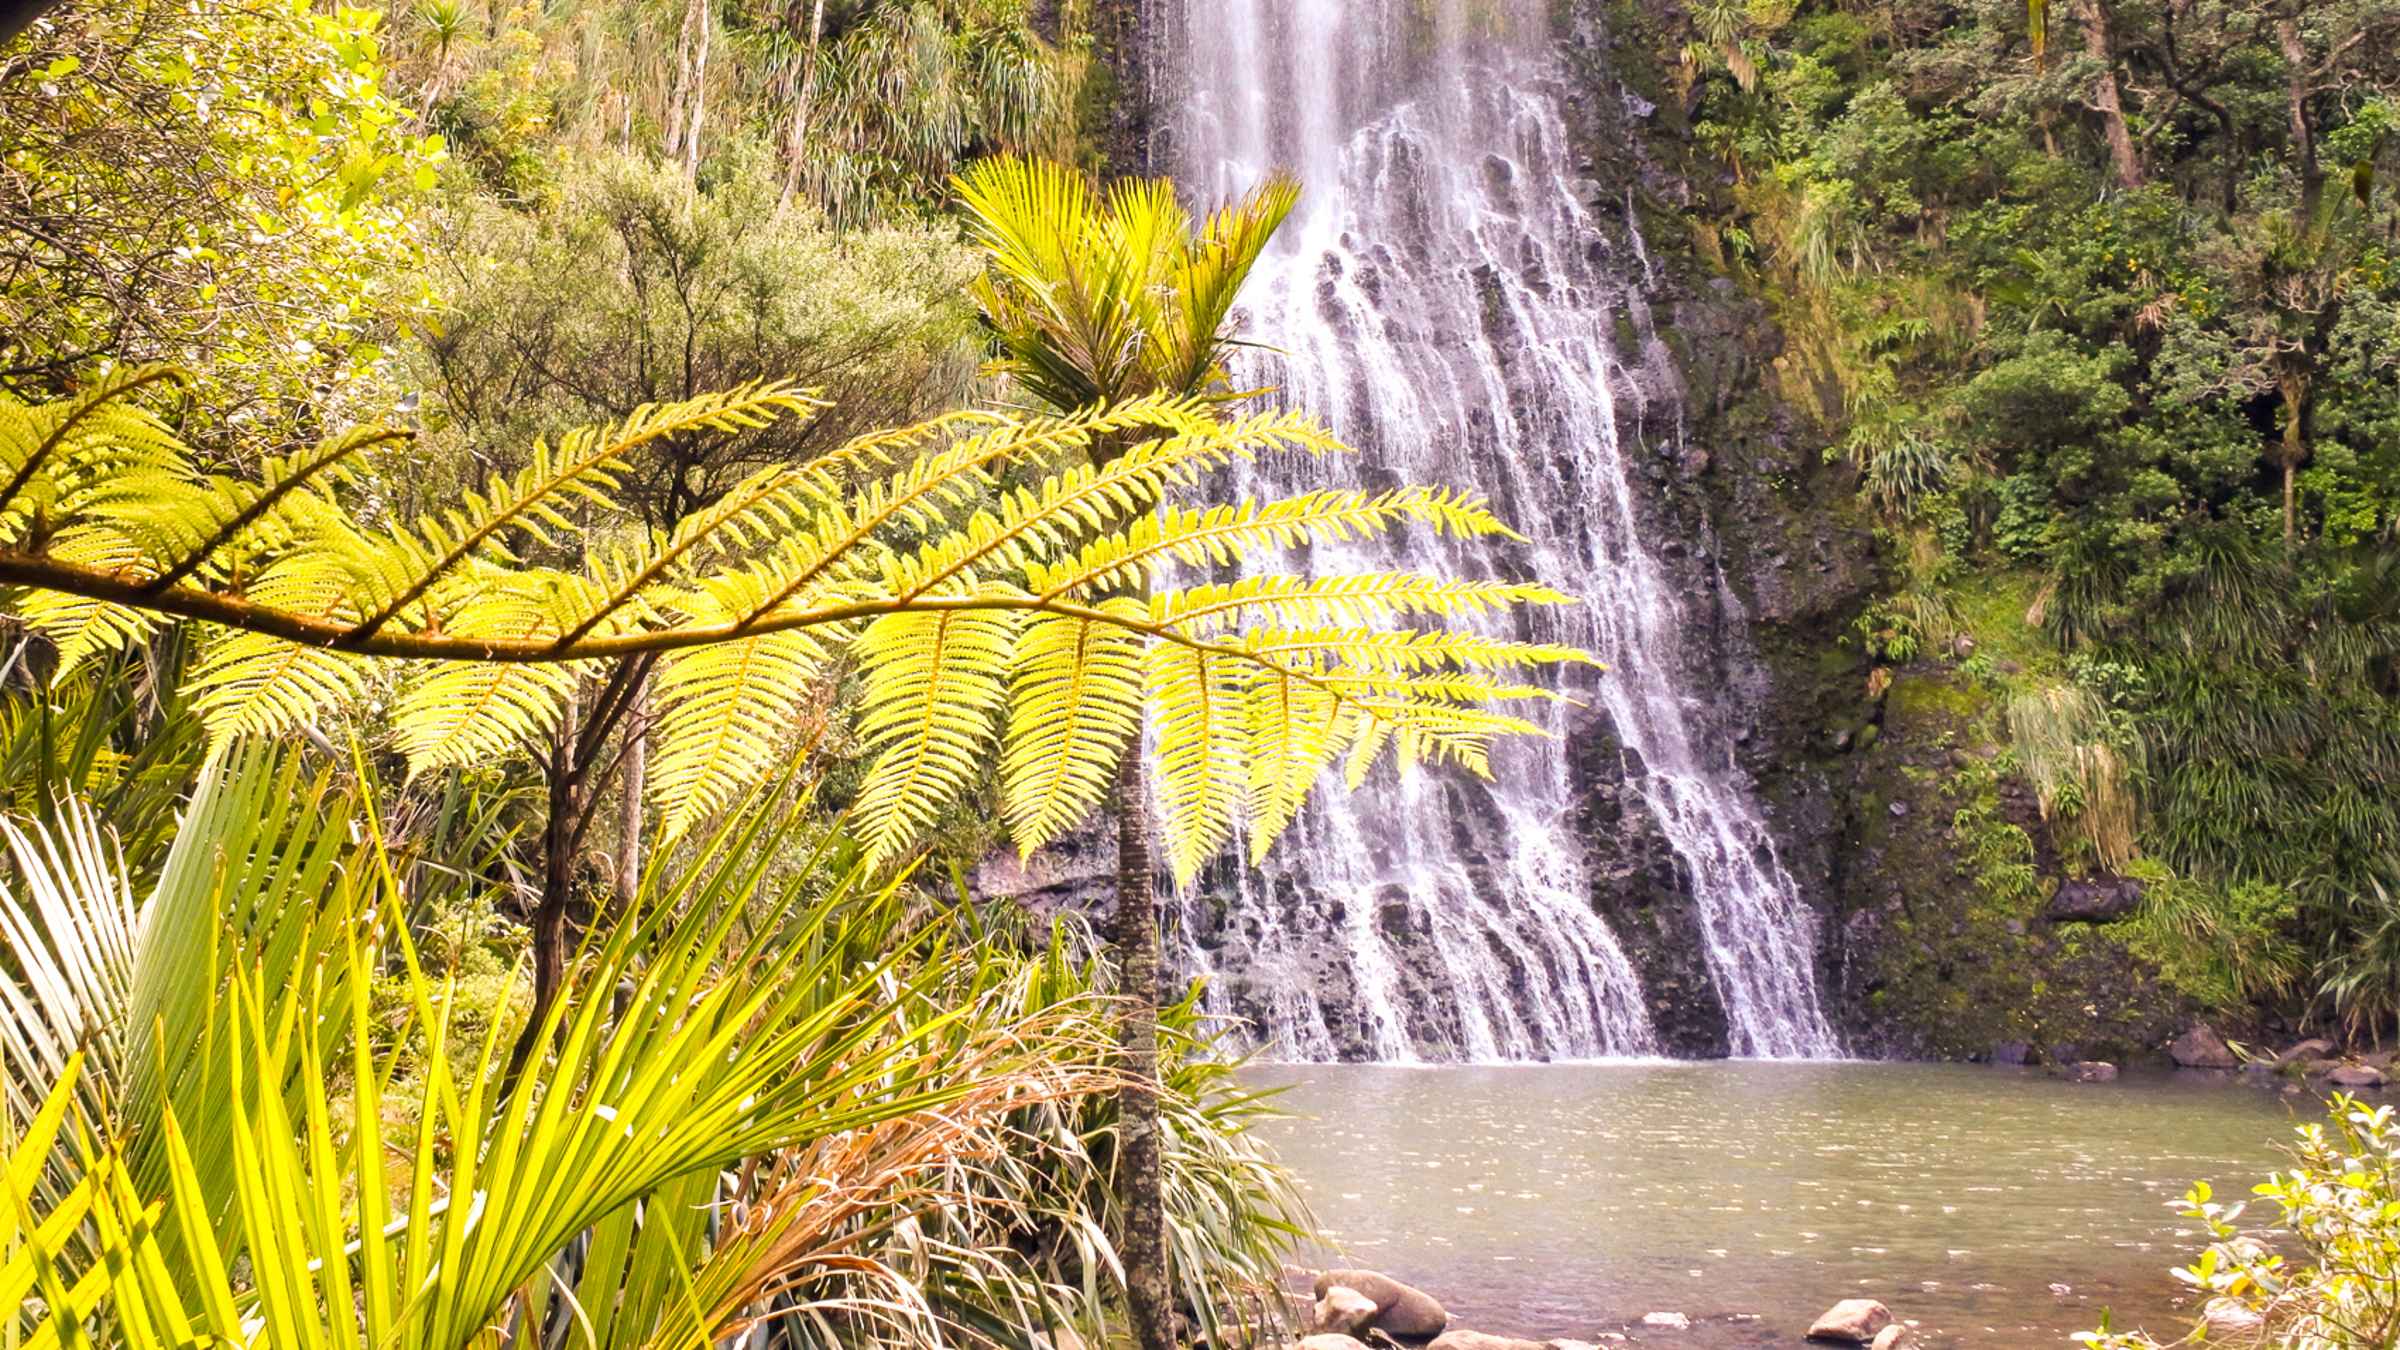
934,685
1074,705
1200,711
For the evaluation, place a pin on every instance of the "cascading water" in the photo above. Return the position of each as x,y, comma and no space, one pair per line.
1445,300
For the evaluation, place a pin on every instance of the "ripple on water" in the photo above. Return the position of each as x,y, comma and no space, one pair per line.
1561,1200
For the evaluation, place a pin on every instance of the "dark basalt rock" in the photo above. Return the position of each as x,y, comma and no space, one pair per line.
2096,900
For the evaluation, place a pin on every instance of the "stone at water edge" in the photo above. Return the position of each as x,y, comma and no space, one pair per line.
1853,1320
2355,1076
1329,1341
1891,1337
2314,1047
2092,1071
1343,1310
1672,1321
2202,1048
1477,1340
1403,1310
2229,1318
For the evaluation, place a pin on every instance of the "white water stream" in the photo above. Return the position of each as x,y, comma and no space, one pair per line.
1444,298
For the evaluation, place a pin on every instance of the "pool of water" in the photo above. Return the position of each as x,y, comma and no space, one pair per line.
1563,1200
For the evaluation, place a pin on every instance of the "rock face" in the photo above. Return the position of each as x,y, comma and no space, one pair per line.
1400,1310
1853,1321
2099,900
2202,1048
1343,1310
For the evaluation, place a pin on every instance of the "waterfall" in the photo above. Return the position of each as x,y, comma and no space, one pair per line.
1445,299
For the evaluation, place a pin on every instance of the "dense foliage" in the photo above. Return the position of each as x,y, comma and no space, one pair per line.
2098,300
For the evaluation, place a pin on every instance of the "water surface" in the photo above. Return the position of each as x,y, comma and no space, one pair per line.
1562,1200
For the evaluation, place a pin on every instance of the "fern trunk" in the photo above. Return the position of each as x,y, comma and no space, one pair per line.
1149,1300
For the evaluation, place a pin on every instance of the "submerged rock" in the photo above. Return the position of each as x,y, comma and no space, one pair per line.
2202,1048
1853,1321
2092,1071
1403,1310
1477,1340
1343,1310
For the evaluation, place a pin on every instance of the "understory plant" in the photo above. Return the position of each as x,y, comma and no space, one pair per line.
770,1100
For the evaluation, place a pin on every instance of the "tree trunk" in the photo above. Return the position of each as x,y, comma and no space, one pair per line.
629,807
2304,130
2294,449
687,101
558,893
1149,1297
795,138
2099,44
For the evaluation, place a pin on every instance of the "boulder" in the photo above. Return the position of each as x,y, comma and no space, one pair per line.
2092,1071
2098,900
1891,1337
1476,1340
2355,1076
1326,1340
2230,1319
1853,1321
1343,1310
1403,1310
2312,1048
2202,1048
1672,1321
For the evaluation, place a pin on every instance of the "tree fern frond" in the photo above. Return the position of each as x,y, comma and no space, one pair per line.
82,628
934,684
1226,534
251,684
726,712
583,467
1294,728
98,418
1355,600
1074,706
1197,697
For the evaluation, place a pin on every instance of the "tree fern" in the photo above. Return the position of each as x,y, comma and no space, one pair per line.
978,572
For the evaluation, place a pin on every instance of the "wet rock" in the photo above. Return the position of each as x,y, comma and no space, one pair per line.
2355,1076
2092,1071
1476,1340
1403,1310
2096,900
2202,1048
2231,1319
1672,1321
1343,1310
1892,1337
1330,1341
1853,1321
2312,1048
